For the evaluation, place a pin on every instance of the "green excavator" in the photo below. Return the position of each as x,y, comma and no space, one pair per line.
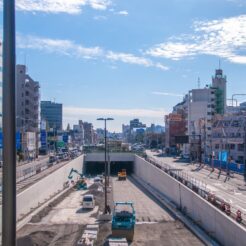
81,183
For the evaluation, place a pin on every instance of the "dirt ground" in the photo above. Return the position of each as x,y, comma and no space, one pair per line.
42,232
171,233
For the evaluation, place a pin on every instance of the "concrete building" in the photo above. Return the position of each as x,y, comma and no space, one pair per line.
219,82
201,109
229,134
27,111
78,137
175,125
27,101
51,112
135,123
89,137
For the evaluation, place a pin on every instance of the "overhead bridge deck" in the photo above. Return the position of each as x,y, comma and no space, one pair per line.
94,163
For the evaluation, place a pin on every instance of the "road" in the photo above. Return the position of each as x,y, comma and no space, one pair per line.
154,226
232,190
146,208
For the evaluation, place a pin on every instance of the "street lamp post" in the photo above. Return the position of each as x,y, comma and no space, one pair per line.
105,165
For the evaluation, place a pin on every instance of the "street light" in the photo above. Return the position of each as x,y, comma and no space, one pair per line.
105,159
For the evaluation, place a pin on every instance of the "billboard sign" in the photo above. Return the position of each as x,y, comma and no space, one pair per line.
31,140
65,138
175,117
17,139
43,138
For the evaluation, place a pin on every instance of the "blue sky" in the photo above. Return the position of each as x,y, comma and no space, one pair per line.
129,58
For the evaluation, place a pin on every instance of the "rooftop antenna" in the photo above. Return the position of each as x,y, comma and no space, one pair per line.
199,83
219,64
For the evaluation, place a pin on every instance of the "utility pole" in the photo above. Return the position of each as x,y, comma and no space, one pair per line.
9,126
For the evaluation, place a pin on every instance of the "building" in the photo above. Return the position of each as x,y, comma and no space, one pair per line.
135,123
229,134
219,82
78,134
27,112
51,112
27,101
89,135
175,125
201,110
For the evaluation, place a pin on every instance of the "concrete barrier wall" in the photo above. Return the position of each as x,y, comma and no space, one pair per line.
46,187
99,157
217,224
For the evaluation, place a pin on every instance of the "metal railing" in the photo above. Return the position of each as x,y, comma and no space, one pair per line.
201,189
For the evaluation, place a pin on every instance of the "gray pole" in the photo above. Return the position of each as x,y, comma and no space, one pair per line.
9,148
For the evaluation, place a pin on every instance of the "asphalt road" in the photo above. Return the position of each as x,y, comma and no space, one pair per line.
232,190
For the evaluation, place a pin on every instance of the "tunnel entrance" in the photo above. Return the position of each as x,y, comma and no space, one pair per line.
95,168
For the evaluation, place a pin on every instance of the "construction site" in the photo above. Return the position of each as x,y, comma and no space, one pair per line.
64,220
144,204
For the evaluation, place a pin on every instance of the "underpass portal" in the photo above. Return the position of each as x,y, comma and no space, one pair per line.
95,168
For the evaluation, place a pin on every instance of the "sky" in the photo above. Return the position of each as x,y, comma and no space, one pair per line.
129,59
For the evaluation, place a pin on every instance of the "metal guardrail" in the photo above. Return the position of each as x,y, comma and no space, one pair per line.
201,189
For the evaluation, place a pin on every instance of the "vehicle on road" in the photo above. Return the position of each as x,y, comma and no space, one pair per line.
122,174
88,201
123,221
98,179
52,159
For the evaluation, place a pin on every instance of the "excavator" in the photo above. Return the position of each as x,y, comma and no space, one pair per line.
123,220
81,183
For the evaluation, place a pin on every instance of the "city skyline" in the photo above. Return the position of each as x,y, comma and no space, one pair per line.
106,58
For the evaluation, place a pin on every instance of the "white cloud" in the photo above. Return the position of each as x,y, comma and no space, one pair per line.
225,38
132,59
60,6
122,12
160,93
69,48
70,112
64,47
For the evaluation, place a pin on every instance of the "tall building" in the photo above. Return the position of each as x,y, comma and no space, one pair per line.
135,123
27,101
219,84
27,113
88,133
201,110
51,112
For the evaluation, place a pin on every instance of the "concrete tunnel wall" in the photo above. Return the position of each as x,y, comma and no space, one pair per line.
46,187
216,223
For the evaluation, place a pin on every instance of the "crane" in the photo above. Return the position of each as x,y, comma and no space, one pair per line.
81,183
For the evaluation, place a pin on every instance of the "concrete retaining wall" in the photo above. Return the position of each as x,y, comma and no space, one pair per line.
46,187
99,157
216,223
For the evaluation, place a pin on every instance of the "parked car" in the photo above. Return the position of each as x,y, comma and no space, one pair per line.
88,201
98,179
52,159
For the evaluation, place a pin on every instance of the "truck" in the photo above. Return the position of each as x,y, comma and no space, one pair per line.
122,174
123,220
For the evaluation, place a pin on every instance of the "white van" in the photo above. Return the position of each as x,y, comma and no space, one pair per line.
88,201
